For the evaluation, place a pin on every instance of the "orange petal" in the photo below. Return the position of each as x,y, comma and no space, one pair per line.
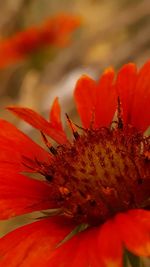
15,145
33,244
85,97
71,253
20,194
56,31
87,251
96,101
125,86
37,121
134,228
55,115
42,237
19,46
97,246
110,245
81,251
106,100
141,104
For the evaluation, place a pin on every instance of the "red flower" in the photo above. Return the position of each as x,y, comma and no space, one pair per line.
55,31
97,186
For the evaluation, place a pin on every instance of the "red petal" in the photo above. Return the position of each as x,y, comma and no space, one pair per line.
20,194
15,145
37,243
110,245
125,85
55,115
55,31
106,100
72,253
81,251
99,246
37,121
134,228
33,244
141,104
85,97
96,101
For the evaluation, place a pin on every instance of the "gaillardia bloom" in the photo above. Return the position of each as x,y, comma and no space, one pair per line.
96,186
56,31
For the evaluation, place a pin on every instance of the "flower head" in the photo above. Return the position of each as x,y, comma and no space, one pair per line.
97,186
55,31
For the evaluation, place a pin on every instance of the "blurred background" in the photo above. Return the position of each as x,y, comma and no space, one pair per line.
110,33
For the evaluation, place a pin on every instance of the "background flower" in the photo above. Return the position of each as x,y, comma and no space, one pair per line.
53,32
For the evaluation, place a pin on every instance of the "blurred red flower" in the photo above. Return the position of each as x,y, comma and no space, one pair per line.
55,31
97,186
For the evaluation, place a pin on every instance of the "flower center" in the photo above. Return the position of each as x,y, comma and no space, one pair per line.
103,172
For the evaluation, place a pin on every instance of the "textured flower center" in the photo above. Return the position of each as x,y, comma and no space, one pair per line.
103,172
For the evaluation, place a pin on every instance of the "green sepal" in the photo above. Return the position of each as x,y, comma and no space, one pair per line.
130,259
80,228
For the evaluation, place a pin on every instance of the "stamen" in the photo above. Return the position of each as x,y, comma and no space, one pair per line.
28,163
79,127
119,114
34,165
73,128
48,144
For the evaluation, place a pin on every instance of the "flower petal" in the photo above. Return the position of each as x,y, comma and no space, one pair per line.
110,245
85,97
81,251
15,145
18,46
97,246
37,243
125,86
134,228
33,244
20,194
71,254
106,99
55,31
96,101
55,115
141,104
37,121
